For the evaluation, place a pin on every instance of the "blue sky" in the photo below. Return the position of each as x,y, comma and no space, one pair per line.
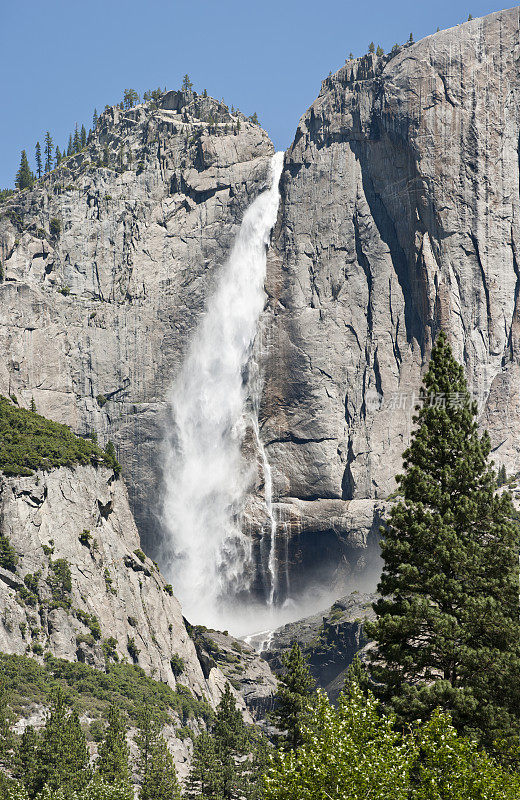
61,58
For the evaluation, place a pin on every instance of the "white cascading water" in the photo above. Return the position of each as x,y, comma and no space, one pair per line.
206,476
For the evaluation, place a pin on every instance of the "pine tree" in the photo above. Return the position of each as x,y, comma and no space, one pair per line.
130,98
447,624
411,40
38,156
33,405
470,17
380,51
24,177
62,759
155,763
95,119
502,476
7,740
83,137
205,778
70,147
112,763
57,156
76,141
26,761
295,687
160,781
371,47
49,151
231,743
187,85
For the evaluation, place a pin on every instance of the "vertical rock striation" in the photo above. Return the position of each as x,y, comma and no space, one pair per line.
399,215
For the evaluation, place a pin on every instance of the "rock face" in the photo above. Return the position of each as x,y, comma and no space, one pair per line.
82,581
107,265
400,215
329,640
248,673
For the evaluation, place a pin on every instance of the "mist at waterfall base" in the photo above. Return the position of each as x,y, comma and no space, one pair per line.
206,555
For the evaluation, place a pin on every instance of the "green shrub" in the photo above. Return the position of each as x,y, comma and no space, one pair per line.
109,649
85,638
177,665
55,227
108,581
8,557
60,583
91,622
140,555
132,621
85,538
29,442
133,649
64,290
169,589
101,400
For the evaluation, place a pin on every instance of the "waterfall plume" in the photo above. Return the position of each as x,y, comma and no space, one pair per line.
208,556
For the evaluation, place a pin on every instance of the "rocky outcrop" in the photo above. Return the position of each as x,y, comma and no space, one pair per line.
329,641
400,215
83,589
248,673
107,264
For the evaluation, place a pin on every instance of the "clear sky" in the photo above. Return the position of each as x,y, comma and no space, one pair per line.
59,59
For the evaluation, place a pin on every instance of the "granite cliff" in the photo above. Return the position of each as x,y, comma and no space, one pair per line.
399,215
97,307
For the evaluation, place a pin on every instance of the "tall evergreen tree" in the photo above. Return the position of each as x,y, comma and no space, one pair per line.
160,781
94,120
62,758
155,763
219,769
112,764
205,778
70,147
24,177
295,687
57,156
231,742
447,627
49,151
187,85
38,156
83,137
76,141
26,761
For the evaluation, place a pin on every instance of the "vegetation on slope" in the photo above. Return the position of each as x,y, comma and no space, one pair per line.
90,690
29,442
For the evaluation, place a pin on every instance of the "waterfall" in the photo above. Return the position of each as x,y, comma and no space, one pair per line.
206,476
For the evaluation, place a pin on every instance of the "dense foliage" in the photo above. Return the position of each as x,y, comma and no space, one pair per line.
353,752
30,442
447,628
125,686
